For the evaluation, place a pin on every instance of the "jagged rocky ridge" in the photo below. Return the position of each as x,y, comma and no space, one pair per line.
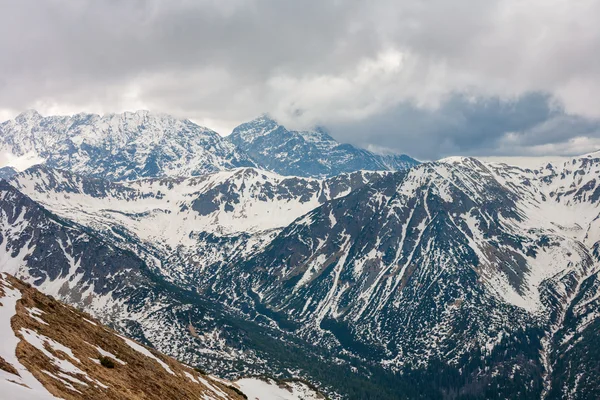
135,145
456,278
308,153
117,147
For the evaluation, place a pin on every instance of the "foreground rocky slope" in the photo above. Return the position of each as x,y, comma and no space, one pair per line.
50,349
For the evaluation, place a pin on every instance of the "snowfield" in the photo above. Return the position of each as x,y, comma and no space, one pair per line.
258,389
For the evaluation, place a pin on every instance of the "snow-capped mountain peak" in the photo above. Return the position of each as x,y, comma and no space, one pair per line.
123,146
258,127
307,153
28,116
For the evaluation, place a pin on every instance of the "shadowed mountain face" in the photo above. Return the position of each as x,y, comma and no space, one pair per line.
307,153
454,279
7,172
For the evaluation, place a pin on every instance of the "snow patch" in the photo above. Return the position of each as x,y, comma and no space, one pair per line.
144,351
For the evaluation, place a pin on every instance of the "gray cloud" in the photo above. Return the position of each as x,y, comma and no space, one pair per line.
532,124
468,75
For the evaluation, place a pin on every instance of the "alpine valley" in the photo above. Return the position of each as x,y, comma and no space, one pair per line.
284,253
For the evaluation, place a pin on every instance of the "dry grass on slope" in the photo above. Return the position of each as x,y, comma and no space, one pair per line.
62,348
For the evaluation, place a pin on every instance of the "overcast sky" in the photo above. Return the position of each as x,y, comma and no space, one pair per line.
430,78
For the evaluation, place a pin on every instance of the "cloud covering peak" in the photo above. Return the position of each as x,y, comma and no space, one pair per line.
469,76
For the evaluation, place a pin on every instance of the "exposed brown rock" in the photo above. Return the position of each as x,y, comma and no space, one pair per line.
7,367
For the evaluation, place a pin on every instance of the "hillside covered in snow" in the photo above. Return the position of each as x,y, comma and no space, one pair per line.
457,278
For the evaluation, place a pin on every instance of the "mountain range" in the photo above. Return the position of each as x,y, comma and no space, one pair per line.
453,279
135,145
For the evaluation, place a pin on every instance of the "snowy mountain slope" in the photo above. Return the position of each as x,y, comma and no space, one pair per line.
189,221
119,146
63,260
307,153
227,202
478,277
108,275
271,390
405,268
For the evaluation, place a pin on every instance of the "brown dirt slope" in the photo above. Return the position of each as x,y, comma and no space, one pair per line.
127,373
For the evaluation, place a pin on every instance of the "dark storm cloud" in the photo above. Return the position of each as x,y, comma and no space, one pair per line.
394,68
476,126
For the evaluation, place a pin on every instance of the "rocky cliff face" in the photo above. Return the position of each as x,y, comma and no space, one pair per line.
308,153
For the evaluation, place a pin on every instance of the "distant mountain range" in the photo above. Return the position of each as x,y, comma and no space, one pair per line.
120,146
130,146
